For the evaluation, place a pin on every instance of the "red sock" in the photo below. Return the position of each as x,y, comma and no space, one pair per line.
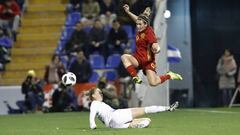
132,71
164,78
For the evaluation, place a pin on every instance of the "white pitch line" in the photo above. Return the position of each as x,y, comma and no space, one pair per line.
212,111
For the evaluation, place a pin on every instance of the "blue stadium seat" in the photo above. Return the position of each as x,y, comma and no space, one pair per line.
6,42
129,30
94,78
133,46
96,61
67,32
60,46
64,61
71,60
113,61
73,18
110,75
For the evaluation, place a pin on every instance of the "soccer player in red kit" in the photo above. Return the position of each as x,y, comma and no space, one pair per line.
146,48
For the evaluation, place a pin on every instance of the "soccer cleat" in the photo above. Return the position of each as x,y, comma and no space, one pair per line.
174,76
173,106
137,80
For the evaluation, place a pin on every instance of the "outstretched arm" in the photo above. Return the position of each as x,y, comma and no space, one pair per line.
134,17
131,15
92,117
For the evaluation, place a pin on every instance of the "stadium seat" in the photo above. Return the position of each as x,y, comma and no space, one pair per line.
94,78
64,61
73,18
60,46
6,42
129,30
133,46
96,61
67,32
110,75
113,61
72,58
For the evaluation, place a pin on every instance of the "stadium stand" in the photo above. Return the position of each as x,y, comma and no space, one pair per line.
39,33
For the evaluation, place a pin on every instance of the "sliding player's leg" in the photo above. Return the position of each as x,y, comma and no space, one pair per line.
126,118
144,122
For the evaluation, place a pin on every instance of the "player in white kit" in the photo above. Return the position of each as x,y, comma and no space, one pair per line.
121,118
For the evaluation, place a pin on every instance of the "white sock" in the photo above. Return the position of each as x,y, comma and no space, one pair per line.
155,109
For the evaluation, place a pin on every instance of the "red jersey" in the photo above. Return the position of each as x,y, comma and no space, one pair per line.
144,41
143,53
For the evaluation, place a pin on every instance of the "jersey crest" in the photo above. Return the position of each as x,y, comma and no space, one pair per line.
142,35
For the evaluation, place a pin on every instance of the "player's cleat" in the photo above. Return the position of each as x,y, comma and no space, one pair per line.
174,76
137,80
173,107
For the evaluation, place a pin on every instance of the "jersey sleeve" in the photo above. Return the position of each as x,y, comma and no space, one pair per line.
151,37
93,112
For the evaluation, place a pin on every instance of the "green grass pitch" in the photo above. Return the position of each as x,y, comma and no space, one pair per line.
214,121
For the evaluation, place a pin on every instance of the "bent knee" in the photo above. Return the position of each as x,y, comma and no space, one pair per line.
152,83
124,56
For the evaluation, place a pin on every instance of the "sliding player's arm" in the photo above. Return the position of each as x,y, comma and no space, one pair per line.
92,116
130,14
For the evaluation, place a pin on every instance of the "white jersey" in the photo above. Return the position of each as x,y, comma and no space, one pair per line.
102,110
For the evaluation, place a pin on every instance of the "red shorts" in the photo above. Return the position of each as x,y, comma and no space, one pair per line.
145,65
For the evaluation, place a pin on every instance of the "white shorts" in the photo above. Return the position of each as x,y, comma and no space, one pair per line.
121,118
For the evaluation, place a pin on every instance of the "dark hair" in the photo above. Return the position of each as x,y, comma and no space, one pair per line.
115,21
144,18
79,49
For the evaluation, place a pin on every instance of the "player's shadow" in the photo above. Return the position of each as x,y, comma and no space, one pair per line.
88,129
104,129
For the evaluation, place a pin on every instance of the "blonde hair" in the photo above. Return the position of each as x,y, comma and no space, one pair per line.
91,92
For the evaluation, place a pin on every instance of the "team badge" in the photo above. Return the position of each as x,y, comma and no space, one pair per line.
142,35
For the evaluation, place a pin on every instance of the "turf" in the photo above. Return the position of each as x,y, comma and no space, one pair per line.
215,121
